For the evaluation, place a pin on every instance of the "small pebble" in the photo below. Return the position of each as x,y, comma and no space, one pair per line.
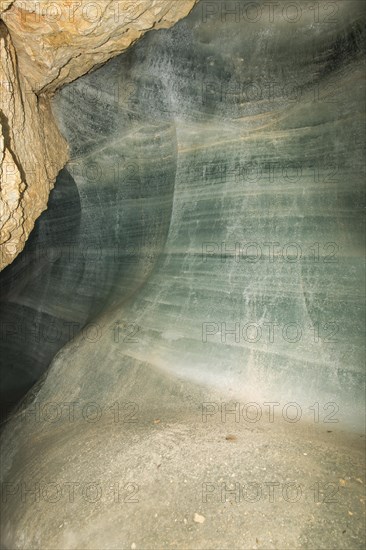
198,518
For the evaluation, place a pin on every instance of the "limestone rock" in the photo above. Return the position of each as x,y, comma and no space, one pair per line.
58,42
4,4
33,151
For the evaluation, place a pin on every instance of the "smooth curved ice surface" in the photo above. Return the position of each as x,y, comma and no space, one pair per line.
219,179
203,245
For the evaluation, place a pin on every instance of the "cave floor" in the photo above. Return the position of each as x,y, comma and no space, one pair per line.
167,480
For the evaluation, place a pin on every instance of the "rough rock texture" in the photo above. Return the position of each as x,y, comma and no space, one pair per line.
5,4
43,46
59,41
32,154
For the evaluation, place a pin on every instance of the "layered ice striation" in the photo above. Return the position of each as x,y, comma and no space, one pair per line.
209,225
